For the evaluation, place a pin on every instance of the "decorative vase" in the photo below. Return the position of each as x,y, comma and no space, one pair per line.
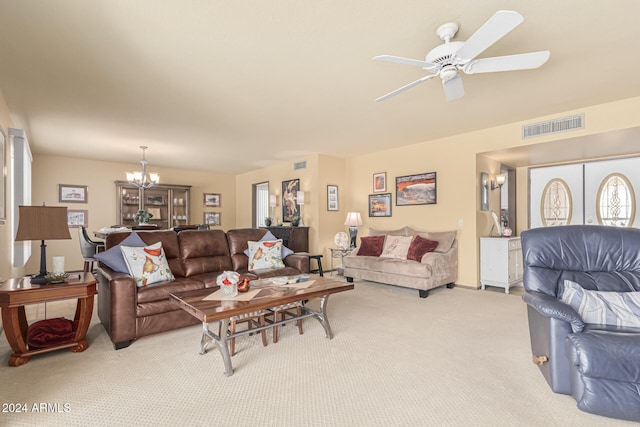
267,222
295,222
228,282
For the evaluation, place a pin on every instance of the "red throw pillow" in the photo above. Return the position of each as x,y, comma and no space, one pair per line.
371,246
420,246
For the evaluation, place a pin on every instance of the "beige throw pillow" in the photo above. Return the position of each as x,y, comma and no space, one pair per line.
396,247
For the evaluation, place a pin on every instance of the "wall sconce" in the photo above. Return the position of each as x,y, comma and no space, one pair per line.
499,182
300,201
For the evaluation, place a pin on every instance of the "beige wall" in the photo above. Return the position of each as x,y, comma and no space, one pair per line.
49,171
456,162
321,171
455,159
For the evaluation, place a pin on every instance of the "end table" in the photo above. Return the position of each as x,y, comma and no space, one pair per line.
15,294
339,253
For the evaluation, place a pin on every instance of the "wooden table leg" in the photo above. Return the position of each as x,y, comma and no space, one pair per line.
84,310
15,325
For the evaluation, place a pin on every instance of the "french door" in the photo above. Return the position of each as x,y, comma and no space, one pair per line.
601,192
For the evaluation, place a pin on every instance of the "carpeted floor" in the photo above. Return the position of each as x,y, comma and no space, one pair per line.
458,358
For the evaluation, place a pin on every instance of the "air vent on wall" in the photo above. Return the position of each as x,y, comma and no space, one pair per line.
553,126
300,165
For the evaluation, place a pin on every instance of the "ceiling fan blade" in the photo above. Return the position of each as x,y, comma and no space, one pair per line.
453,88
523,61
405,87
405,61
491,31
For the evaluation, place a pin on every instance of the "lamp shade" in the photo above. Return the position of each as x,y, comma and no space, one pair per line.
353,219
300,197
42,223
272,200
500,179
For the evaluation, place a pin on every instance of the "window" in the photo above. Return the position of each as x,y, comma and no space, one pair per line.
616,205
20,190
556,203
261,203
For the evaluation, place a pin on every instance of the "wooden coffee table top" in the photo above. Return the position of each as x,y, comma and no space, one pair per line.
270,295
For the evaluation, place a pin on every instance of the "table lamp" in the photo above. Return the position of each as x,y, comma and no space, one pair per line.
42,223
354,220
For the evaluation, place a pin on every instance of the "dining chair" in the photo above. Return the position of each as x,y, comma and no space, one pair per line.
88,248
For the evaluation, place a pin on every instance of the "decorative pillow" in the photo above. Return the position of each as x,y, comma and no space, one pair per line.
371,246
113,258
420,246
147,265
265,255
269,237
444,238
396,247
603,308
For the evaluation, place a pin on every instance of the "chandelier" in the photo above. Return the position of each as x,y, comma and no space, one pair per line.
143,179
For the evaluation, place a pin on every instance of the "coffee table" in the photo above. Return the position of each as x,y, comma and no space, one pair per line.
15,294
270,295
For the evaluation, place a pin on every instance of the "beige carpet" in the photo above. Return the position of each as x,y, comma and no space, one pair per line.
458,358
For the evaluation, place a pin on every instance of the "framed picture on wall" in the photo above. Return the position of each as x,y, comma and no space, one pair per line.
77,218
380,182
290,206
72,193
380,204
213,218
332,197
212,200
419,189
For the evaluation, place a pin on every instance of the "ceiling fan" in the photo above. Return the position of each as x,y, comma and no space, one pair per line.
445,61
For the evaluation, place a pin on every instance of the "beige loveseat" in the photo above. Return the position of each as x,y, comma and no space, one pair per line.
436,268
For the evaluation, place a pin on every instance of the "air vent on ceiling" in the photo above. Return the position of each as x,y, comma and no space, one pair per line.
553,126
300,165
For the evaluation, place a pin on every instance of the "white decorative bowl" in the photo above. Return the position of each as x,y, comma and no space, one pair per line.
280,280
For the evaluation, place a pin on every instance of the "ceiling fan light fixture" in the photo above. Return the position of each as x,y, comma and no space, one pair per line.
448,72
450,57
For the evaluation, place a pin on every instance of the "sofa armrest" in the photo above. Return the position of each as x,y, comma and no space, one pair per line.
549,306
117,300
298,261
443,264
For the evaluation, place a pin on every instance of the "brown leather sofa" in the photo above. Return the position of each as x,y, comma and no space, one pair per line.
196,258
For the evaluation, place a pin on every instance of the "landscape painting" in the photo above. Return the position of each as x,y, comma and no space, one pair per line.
417,189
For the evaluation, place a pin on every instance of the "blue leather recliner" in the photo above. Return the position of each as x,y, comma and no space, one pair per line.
597,363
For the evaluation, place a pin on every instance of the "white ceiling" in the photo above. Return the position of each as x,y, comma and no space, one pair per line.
237,85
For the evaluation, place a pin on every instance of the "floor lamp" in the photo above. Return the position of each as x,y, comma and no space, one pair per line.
42,223
354,220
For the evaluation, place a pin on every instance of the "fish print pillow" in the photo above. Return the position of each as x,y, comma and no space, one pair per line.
148,264
265,255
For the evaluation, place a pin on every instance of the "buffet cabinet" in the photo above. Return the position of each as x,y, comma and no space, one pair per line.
295,238
500,262
169,204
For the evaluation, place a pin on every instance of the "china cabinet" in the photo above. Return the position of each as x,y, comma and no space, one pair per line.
169,204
